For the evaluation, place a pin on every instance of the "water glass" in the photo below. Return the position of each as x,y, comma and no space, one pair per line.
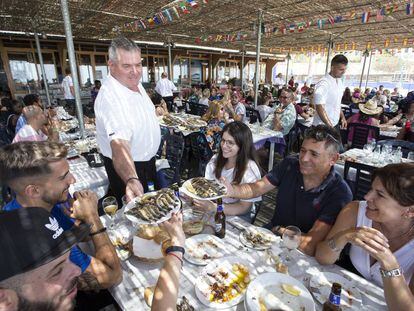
291,239
410,156
110,206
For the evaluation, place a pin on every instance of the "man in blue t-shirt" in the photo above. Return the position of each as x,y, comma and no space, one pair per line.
310,193
38,173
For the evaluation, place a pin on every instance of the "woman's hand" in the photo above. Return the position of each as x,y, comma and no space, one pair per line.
372,241
204,205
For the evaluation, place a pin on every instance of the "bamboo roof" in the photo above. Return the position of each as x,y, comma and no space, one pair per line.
213,23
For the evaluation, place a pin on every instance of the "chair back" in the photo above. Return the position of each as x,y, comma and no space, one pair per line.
201,153
253,115
406,146
197,109
347,112
174,153
362,183
361,133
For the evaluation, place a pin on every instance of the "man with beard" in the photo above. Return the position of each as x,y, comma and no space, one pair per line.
310,193
38,173
36,272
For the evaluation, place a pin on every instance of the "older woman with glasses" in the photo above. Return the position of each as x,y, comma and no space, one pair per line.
380,232
236,162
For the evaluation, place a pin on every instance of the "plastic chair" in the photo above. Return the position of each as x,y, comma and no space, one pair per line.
361,132
253,115
174,154
362,183
201,153
197,109
406,146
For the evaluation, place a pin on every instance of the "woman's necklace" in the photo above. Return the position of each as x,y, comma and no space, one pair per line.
400,235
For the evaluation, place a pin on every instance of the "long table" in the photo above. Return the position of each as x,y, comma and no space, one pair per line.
138,275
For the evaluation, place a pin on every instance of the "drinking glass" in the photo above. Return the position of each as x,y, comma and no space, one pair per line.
291,239
410,156
110,206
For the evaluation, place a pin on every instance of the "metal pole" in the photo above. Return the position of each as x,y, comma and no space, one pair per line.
369,67
241,69
170,71
363,68
42,68
72,63
259,35
329,53
287,68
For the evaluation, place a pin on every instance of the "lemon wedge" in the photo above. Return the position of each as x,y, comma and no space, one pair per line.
290,289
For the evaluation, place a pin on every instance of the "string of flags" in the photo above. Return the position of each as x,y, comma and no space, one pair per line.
222,38
379,45
163,17
364,16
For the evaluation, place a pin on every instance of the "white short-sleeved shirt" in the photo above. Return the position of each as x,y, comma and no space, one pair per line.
28,133
124,114
240,109
66,84
203,101
328,92
251,175
165,87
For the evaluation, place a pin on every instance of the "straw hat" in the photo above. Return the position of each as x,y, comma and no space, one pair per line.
370,108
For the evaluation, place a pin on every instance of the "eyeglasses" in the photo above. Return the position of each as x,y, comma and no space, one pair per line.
284,97
229,143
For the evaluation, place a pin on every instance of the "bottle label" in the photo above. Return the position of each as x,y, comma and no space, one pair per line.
217,227
335,299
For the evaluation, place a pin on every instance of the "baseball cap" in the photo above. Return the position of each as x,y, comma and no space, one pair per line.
31,237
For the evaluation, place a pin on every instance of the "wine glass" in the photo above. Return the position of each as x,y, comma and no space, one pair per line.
291,239
110,206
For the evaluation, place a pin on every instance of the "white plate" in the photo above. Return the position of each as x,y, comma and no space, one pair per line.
202,285
350,295
196,247
184,190
264,231
131,204
270,285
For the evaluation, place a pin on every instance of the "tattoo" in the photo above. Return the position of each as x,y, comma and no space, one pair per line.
88,282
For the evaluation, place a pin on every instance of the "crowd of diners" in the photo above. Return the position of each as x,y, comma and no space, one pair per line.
43,267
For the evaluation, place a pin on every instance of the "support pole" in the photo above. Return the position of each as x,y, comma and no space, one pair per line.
170,68
287,68
42,68
72,63
329,53
366,53
259,35
242,68
369,67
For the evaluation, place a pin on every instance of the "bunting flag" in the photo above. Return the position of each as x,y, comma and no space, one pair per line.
150,21
380,15
205,1
405,42
175,11
168,15
222,38
162,18
409,8
142,24
282,29
365,17
321,22
193,3
331,20
301,26
338,19
351,15
184,8
390,8
292,28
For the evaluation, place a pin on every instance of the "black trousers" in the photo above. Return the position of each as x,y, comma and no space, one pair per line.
169,100
146,173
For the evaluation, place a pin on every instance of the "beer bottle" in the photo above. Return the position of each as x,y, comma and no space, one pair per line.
220,220
334,301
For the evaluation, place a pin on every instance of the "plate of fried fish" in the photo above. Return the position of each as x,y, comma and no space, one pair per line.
203,189
153,207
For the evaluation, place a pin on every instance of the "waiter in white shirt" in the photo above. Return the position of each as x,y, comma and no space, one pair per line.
165,88
328,95
127,129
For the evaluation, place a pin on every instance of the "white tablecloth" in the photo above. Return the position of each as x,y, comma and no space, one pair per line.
138,275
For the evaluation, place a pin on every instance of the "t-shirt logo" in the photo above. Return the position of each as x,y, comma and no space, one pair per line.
54,226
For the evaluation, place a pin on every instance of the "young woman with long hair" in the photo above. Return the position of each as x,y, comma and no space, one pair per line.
235,161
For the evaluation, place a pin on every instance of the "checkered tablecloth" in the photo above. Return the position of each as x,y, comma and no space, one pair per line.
138,275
